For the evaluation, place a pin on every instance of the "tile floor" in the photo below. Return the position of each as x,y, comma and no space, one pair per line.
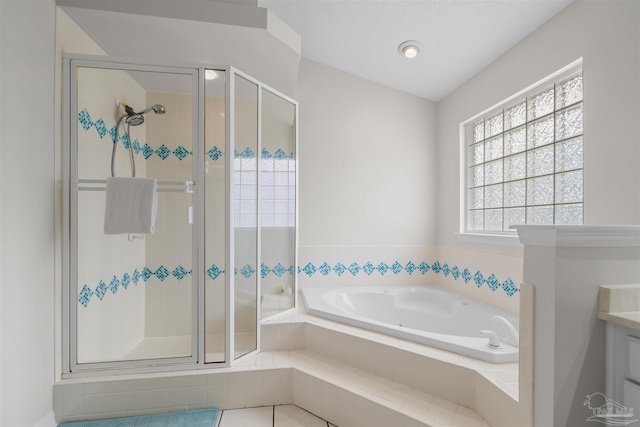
271,416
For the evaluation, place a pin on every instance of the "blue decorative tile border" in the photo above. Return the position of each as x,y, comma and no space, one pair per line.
144,274
409,268
163,152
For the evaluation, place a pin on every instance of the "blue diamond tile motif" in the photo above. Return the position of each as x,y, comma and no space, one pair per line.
162,273
85,295
101,290
136,276
213,272
466,275
324,269
368,268
112,134
125,141
214,154
478,278
382,268
126,279
114,285
147,151
339,269
423,267
163,152
180,152
101,128
446,270
455,272
279,270
410,268
493,282
136,146
309,269
299,270
279,154
290,270
265,154
247,271
264,270
396,267
85,119
146,274
436,267
247,154
179,272
354,268
509,287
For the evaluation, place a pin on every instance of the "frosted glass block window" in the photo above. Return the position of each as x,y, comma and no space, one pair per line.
278,184
277,181
524,160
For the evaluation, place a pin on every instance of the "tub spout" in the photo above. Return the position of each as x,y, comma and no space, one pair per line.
513,337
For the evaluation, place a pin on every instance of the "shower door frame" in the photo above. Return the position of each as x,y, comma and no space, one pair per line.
70,367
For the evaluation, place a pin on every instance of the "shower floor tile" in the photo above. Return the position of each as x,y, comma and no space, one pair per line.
180,346
271,416
156,347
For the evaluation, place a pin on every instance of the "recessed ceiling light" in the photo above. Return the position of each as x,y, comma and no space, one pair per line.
210,75
410,48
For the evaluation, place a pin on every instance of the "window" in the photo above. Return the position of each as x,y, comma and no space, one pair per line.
524,159
278,181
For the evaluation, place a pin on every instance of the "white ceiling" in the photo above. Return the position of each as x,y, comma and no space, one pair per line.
460,37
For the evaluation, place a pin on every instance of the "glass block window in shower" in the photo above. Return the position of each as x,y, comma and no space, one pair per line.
524,159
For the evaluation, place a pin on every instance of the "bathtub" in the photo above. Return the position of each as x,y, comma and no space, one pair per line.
428,315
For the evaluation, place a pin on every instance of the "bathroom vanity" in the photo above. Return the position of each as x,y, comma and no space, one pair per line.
620,307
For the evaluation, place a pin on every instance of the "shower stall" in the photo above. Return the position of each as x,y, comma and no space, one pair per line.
222,257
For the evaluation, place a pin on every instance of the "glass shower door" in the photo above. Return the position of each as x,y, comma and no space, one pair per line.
245,180
278,204
215,164
133,294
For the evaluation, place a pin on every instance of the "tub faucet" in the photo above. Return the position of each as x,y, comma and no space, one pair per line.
494,341
513,337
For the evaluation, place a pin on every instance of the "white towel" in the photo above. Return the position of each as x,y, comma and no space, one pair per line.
131,206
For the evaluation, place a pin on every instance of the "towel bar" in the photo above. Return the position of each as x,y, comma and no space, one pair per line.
185,186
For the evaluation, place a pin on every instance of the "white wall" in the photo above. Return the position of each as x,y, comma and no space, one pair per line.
27,247
606,35
367,178
367,162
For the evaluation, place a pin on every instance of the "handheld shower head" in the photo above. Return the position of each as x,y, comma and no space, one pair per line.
157,108
136,119
131,118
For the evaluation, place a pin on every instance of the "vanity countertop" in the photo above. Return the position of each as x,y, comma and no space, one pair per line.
620,304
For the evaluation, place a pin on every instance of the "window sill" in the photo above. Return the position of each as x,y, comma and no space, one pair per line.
490,239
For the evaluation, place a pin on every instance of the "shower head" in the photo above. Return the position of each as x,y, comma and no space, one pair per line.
135,119
157,108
